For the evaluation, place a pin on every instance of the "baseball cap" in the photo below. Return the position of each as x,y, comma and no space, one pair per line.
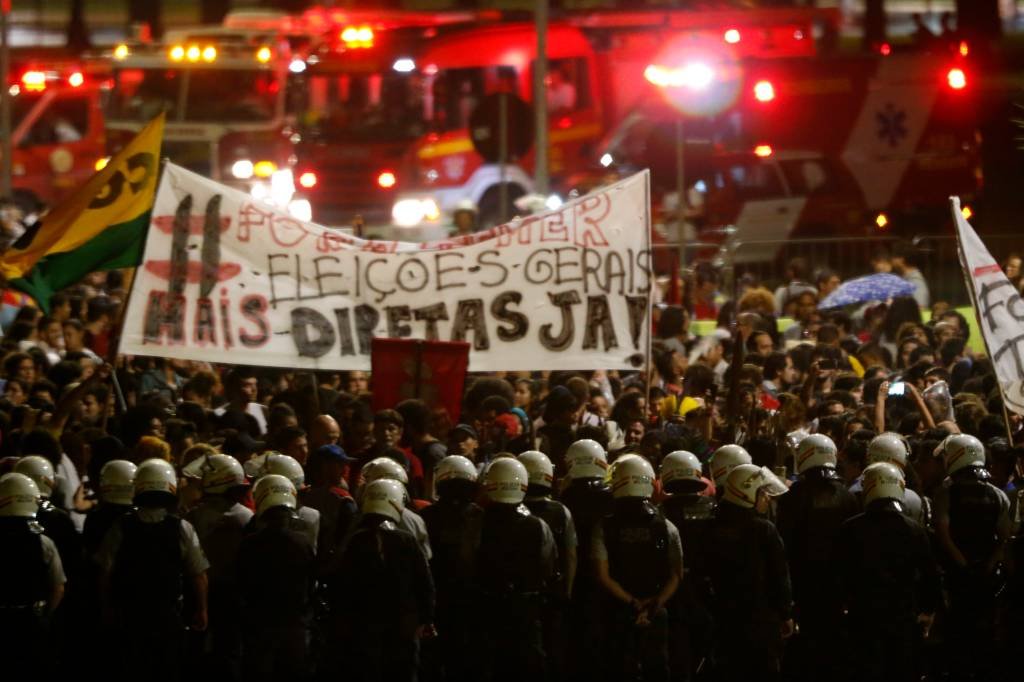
464,429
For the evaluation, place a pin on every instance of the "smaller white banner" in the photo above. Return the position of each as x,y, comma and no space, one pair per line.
1000,311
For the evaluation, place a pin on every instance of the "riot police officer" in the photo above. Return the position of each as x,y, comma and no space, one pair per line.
305,519
588,499
691,511
275,585
387,468
31,579
145,560
220,520
447,520
892,448
809,517
56,522
541,473
973,525
393,606
723,460
510,560
116,490
638,560
890,580
746,562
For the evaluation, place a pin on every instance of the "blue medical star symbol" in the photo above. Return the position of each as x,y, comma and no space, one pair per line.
892,124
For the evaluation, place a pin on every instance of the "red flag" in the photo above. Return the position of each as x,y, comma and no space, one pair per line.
433,371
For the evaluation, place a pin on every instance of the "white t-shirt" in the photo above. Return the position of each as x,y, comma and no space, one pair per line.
254,409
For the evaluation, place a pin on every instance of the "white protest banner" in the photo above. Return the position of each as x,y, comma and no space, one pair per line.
225,278
999,308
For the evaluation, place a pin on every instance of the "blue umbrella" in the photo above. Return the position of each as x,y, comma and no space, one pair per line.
877,287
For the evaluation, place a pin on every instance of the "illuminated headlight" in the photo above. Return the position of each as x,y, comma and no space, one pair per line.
278,192
242,169
607,160
301,209
553,202
412,212
282,187
404,65
260,191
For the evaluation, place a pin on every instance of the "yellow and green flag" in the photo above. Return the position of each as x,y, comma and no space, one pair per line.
102,226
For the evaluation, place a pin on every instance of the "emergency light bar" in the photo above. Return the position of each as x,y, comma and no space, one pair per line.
35,80
193,53
357,37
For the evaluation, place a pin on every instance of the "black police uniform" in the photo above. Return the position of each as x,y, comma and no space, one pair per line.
752,593
275,566
589,500
689,613
59,527
25,587
97,524
510,559
384,590
889,576
636,538
447,522
147,586
563,529
809,517
976,514
220,524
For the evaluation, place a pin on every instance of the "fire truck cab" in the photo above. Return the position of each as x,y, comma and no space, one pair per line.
358,98
58,136
225,93
458,73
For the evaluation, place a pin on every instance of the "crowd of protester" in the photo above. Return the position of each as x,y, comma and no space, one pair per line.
211,520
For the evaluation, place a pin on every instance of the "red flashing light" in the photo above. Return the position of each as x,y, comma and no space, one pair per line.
34,80
763,150
885,49
386,180
957,79
308,180
764,91
76,80
732,36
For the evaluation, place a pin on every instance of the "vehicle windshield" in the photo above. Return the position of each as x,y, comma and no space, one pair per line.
345,107
196,95
22,105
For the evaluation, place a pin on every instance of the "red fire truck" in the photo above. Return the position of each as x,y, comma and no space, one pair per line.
837,146
58,137
416,167
225,92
